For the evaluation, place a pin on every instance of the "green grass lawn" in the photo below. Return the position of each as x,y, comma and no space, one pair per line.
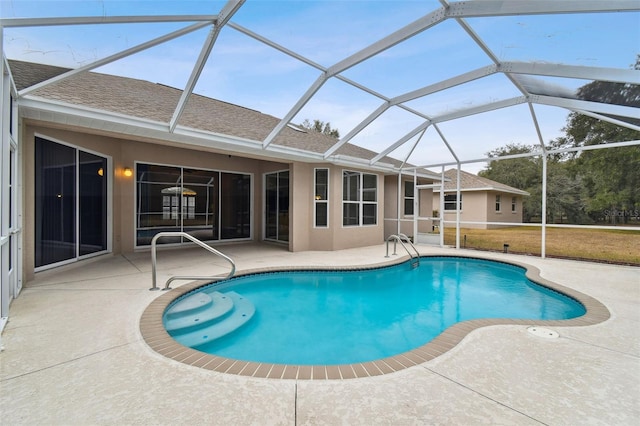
590,244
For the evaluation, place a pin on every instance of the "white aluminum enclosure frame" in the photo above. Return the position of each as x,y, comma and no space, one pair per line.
457,11
10,194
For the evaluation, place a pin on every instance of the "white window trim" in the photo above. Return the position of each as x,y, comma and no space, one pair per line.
316,201
405,198
360,202
457,201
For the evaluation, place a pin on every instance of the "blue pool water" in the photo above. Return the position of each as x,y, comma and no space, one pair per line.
339,317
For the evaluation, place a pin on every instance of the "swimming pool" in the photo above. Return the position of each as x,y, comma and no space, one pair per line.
346,317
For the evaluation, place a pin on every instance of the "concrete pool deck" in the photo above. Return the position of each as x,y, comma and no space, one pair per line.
73,354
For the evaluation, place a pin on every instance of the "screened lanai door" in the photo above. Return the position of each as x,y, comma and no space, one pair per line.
277,206
10,229
70,203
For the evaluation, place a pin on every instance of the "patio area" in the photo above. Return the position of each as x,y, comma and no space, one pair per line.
73,354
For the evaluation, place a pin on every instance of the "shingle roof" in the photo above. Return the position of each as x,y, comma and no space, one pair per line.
157,102
471,182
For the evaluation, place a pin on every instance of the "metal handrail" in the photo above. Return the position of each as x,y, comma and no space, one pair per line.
185,277
399,238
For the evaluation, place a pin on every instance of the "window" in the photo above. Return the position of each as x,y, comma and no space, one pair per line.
409,197
321,199
208,204
359,198
498,202
450,202
514,204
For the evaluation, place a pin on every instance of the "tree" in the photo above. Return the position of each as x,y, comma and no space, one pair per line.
610,178
522,173
564,201
321,127
563,189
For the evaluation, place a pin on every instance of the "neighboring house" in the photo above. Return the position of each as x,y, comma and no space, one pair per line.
481,200
102,171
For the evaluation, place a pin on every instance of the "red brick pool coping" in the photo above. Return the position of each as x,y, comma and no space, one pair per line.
155,335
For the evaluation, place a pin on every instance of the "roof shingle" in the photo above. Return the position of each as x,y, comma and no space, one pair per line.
157,102
471,182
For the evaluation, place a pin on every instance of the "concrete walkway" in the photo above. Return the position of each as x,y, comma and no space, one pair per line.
73,355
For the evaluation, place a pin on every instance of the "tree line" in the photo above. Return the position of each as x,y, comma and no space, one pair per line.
587,187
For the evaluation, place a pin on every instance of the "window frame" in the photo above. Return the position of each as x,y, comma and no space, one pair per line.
498,203
455,202
362,197
108,202
514,204
409,200
318,200
182,210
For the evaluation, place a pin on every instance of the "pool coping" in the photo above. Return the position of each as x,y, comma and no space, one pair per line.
159,340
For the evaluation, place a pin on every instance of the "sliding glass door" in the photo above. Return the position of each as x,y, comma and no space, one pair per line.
70,203
92,203
208,204
277,206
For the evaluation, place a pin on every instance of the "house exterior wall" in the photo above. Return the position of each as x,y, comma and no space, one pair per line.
303,235
390,206
479,206
505,214
425,198
125,153
474,209
354,236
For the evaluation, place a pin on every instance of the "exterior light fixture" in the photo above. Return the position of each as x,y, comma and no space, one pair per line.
127,172
100,171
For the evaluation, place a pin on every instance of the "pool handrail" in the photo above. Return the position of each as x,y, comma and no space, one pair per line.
402,238
185,277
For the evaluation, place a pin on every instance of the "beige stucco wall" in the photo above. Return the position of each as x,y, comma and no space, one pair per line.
300,202
125,153
425,198
390,205
304,235
479,206
505,214
353,236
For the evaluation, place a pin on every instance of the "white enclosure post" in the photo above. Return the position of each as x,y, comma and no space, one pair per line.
543,242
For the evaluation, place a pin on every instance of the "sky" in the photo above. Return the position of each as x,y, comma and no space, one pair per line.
243,71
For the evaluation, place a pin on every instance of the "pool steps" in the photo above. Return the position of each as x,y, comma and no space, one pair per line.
197,310
201,318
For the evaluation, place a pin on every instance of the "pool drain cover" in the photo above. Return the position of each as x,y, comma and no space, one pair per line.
543,332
